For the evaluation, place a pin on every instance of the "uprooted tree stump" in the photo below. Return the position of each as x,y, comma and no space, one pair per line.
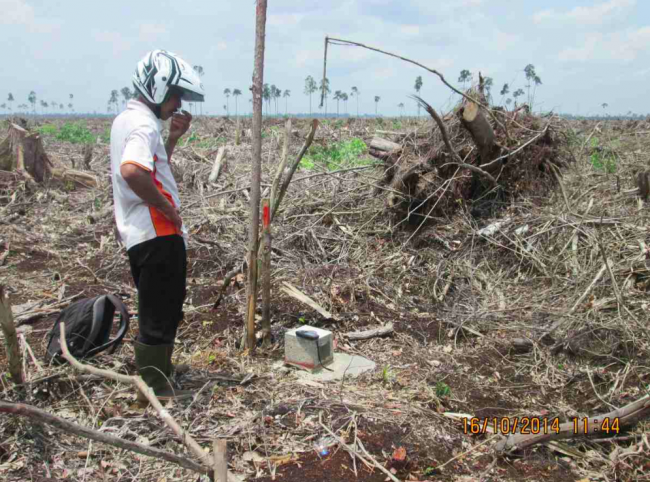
476,156
22,152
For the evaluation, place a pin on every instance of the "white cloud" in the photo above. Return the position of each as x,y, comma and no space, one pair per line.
16,12
622,46
150,32
20,13
594,15
221,46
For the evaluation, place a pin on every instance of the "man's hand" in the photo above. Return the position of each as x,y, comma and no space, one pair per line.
179,126
171,213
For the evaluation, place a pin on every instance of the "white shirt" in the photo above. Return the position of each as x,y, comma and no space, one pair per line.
136,139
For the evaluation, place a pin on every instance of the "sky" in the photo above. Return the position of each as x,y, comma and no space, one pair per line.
586,53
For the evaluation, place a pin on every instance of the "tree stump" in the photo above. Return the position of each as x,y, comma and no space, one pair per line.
23,151
88,154
480,129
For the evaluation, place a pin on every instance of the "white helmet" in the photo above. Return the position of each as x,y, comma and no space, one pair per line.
159,70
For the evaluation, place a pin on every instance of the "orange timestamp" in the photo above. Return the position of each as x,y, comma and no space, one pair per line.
508,426
594,425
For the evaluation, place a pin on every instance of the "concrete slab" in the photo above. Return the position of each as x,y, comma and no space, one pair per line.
344,365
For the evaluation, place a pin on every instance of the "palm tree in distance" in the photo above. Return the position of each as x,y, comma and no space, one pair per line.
286,95
418,86
199,70
10,99
377,99
126,93
355,93
226,92
327,91
236,93
70,104
266,96
113,100
344,98
310,88
32,100
465,75
400,106
337,98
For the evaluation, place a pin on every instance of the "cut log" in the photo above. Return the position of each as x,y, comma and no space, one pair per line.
23,151
218,165
386,151
379,143
480,129
365,335
78,177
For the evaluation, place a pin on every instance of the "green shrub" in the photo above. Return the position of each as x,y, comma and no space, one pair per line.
75,133
337,155
602,159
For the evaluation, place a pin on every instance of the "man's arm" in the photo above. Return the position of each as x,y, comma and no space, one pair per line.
169,147
139,180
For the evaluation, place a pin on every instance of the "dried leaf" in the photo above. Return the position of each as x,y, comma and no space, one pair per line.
399,455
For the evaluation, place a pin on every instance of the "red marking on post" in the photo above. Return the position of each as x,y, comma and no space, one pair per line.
266,216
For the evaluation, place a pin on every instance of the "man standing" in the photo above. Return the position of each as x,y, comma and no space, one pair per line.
147,208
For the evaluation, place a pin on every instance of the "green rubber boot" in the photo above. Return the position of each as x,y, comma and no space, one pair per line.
155,367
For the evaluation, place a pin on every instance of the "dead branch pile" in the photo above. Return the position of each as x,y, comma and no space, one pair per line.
470,157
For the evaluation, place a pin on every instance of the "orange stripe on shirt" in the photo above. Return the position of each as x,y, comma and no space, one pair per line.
161,224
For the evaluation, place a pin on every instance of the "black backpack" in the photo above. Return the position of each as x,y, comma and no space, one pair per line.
88,325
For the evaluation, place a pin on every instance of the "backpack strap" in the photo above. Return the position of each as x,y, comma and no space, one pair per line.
121,332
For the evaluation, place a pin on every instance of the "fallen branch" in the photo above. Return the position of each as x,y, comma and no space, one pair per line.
365,335
445,137
300,296
433,71
623,417
40,416
226,282
139,383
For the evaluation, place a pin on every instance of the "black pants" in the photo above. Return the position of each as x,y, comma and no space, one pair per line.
159,269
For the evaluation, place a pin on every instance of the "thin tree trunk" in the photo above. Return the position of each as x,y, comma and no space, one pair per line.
253,231
11,340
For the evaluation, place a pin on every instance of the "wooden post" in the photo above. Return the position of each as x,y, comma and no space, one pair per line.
237,132
266,270
253,231
11,340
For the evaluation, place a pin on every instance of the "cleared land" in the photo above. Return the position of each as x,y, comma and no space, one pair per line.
521,320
